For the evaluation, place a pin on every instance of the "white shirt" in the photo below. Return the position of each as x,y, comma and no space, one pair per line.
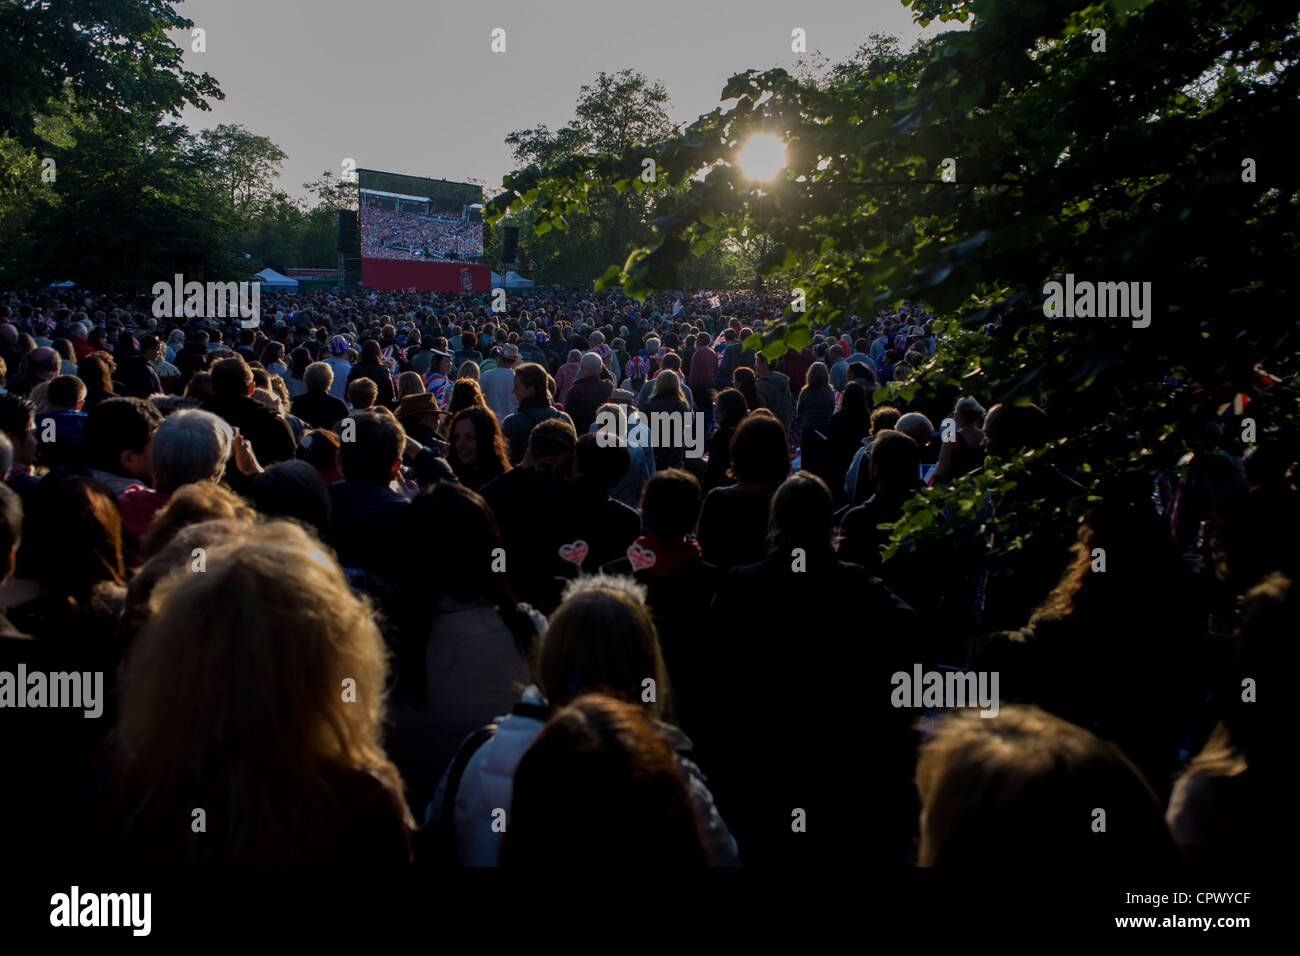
498,387
341,367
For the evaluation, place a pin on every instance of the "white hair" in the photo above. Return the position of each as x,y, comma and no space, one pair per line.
591,364
189,446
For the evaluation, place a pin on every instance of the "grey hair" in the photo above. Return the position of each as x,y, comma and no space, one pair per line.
189,446
591,363
318,377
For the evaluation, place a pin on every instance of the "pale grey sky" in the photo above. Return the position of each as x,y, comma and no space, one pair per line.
412,86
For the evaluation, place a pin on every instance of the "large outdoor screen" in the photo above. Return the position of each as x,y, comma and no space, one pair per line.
416,218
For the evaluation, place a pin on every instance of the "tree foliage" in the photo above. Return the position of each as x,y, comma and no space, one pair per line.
100,187
613,115
112,56
1122,165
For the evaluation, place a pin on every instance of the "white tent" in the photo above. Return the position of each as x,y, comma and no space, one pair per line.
513,281
272,279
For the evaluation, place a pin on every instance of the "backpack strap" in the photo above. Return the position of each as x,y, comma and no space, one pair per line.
536,711
468,748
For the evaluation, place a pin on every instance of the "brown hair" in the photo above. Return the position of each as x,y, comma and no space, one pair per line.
493,455
603,639
465,394
362,393
601,787
72,538
1023,788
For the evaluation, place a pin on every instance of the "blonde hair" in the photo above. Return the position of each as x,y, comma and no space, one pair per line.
409,383
267,399
192,504
177,550
667,383
249,714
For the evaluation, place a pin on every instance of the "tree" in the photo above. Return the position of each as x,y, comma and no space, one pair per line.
613,115
129,206
333,192
1128,164
244,163
113,56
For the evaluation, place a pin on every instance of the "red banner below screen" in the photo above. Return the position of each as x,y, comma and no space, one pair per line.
425,276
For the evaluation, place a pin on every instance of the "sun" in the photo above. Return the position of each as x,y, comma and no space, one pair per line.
762,158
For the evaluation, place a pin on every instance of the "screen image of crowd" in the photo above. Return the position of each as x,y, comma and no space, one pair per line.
390,234
365,585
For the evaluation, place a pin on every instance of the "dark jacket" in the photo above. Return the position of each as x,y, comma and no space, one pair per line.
462,356
382,378
519,425
531,352
826,667
679,603
319,409
366,523
861,540
733,525
530,511
734,356
774,391
585,396
137,376
269,434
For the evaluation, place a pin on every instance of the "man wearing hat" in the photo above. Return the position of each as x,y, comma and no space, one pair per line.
498,384
419,414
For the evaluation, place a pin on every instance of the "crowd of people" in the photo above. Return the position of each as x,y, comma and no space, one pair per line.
393,234
366,584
